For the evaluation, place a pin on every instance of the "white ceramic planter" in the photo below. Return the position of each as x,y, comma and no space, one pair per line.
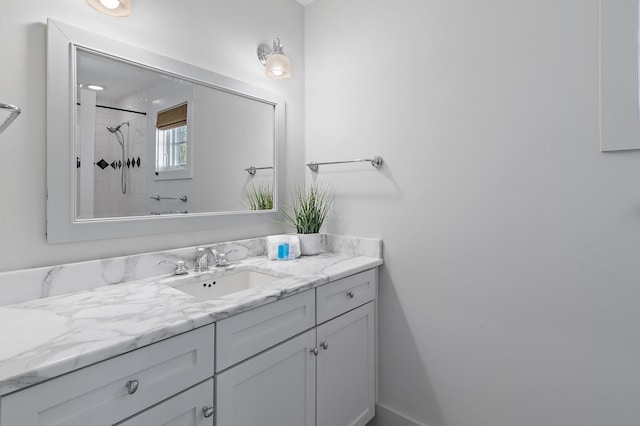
310,244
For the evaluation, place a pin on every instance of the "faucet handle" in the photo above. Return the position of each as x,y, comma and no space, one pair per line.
181,268
221,258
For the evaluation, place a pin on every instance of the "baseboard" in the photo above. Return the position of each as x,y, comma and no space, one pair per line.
387,416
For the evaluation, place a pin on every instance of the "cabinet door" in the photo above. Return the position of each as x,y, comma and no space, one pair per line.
275,388
193,407
346,369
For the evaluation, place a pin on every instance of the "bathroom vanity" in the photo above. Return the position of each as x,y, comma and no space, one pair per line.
298,350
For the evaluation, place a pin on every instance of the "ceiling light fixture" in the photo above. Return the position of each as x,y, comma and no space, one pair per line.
118,8
277,65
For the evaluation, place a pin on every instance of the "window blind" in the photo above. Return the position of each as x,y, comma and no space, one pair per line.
173,117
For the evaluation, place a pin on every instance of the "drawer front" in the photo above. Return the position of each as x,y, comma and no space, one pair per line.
246,334
340,296
104,393
193,407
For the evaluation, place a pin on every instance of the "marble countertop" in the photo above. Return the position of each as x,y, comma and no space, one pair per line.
47,337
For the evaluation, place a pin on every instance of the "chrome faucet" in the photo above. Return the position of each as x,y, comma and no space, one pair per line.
219,258
202,258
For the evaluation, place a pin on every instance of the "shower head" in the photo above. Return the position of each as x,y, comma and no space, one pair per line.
115,129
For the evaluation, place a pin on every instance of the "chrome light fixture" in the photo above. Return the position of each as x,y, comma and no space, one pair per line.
118,8
276,64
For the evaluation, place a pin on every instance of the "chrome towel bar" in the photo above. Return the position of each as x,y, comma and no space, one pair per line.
157,197
252,170
375,162
14,112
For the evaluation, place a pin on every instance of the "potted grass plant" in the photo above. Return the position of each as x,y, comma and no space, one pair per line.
260,196
308,212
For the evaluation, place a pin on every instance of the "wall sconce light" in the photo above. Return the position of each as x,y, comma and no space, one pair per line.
118,8
276,64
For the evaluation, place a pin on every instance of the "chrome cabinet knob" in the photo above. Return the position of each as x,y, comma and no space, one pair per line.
324,345
314,351
350,294
132,386
207,411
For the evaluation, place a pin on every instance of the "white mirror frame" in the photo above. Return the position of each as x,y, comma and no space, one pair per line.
619,113
62,225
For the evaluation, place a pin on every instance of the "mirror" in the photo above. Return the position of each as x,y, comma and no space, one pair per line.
164,146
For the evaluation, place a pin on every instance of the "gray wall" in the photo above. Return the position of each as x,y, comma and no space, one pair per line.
510,287
218,35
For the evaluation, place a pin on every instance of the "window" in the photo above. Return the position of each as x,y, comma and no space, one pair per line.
172,143
171,149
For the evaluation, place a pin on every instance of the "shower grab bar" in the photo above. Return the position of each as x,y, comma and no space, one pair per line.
157,197
14,112
252,170
375,162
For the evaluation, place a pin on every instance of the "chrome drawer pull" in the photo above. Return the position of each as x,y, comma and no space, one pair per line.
314,351
324,345
208,411
132,386
350,294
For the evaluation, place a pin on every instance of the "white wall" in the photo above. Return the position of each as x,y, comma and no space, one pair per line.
241,134
221,36
510,293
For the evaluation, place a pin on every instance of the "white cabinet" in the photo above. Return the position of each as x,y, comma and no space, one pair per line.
275,388
346,369
113,390
305,360
241,336
324,376
193,407
346,379
342,295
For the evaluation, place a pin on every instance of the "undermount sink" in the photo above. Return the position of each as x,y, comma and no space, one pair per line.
209,285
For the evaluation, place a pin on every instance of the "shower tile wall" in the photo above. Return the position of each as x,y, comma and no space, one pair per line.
109,201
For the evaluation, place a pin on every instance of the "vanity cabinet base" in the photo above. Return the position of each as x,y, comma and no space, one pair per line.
324,376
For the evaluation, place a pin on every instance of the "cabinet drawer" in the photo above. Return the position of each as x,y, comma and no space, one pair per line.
246,334
193,407
340,296
100,394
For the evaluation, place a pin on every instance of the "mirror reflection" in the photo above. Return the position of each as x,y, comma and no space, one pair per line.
152,143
